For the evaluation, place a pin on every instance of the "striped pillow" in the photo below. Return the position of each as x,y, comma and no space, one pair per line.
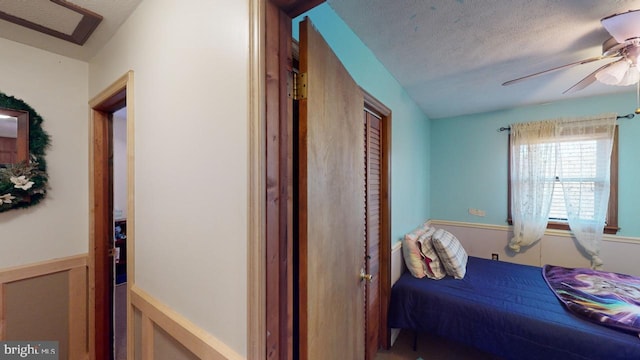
433,265
413,257
451,253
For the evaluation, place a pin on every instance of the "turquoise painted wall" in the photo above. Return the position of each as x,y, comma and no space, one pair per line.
410,161
443,167
469,159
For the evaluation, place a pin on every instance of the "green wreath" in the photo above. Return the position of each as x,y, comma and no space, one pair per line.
25,184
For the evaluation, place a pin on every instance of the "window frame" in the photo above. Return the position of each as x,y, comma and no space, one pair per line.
611,226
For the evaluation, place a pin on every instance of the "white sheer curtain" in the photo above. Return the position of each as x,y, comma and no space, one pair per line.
584,179
533,165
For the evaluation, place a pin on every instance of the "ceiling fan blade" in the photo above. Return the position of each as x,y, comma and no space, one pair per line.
566,66
623,26
587,80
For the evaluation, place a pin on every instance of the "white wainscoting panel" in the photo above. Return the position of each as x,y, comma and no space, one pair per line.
397,268
557,247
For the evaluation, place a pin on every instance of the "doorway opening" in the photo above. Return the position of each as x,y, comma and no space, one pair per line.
111,221
119,131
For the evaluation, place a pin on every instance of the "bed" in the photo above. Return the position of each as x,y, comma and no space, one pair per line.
507,310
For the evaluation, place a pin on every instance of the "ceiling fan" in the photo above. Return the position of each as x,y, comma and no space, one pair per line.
624,45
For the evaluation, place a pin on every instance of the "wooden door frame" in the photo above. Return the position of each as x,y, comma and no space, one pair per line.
372,104
113,98
278,65
278,310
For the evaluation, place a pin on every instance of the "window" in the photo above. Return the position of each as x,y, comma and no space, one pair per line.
587,150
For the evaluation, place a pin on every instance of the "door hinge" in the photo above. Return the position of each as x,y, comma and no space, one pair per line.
299,86
111,252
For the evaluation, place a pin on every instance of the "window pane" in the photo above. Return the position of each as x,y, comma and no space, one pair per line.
578,163
558,213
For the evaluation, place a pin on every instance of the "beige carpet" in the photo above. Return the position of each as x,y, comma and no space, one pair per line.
430,348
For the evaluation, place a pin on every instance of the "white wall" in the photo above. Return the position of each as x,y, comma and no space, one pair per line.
190,63
57,88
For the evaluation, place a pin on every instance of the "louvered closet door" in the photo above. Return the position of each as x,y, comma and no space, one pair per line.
373,163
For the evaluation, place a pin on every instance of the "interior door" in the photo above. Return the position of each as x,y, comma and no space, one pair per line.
331,205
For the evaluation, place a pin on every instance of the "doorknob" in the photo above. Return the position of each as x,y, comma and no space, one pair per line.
365,276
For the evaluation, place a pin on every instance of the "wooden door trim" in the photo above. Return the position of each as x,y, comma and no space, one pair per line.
293,8
114,97
100,198
278,154
372,104
256,213
276,257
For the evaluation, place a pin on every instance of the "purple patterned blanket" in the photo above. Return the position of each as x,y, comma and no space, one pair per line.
606,298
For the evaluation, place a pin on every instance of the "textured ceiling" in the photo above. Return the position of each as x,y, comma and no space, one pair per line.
452,56
49,14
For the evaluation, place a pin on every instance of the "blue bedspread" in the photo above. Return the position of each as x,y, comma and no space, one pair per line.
505,309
